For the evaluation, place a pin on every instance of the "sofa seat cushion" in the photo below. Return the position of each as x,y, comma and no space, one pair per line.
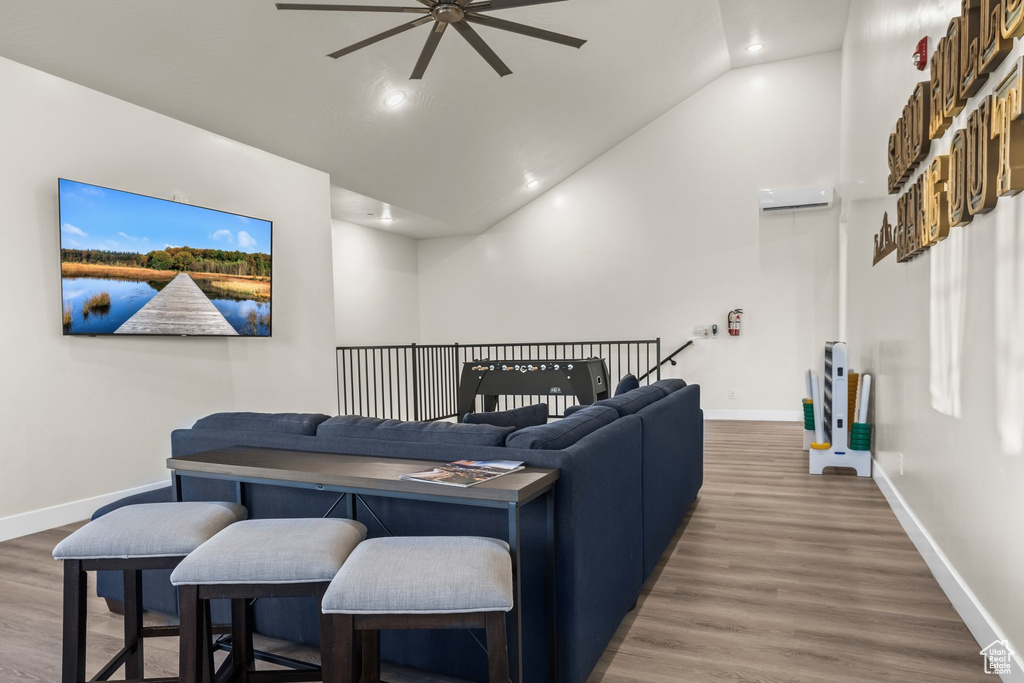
519,418
669,385
633,401
423,575
149,530
563,433
281,423
627,383
356,427
272,551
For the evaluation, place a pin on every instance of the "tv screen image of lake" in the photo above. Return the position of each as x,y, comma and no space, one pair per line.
132,264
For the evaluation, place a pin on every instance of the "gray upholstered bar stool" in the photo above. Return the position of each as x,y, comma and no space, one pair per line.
418,583
130,540
259,558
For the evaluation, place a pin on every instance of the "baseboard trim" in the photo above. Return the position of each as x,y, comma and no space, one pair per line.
755,415
35,521
980,623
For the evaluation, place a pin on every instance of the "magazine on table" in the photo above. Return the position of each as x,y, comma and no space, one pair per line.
465,473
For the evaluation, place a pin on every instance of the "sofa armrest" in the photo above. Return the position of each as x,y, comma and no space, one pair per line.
600,539
673,467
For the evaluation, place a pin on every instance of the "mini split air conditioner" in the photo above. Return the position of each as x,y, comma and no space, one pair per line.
796,199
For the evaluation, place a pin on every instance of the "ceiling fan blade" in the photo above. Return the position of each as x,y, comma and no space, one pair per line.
380,36
474,39
488,5
428,50
525,30
350,8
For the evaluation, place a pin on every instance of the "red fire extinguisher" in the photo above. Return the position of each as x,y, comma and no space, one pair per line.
734,322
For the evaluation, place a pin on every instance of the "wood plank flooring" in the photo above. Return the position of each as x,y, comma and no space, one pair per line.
779,576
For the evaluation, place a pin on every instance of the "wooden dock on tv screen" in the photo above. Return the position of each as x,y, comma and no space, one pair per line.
179,308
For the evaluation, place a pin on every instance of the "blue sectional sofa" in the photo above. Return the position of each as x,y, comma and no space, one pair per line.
630,467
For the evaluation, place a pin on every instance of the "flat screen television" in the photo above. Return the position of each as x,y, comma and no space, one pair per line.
137,265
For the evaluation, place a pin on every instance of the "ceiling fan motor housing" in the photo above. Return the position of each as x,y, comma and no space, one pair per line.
447,12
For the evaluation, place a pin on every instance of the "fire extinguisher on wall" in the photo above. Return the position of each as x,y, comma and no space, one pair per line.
734,322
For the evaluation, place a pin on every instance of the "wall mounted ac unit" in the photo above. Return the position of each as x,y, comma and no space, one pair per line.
796,199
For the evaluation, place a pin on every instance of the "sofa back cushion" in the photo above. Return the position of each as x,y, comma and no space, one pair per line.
627,383
563,433
356,427
278,423
633,401
528,416
669,385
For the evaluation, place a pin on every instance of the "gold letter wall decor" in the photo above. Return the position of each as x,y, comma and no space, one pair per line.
1011,23
971,77
920,142
909,142
939,121
986,158
884,243
910,221
994,47
958,213
1008,126
952,101
982,160
937,200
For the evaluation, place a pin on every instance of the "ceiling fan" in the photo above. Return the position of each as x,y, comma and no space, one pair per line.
457,13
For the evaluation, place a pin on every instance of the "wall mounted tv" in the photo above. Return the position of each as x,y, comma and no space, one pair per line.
137,265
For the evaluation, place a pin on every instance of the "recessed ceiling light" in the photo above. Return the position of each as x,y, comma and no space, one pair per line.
533,184
755,47
395,99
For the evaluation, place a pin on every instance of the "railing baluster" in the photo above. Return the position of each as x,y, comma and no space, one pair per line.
377,381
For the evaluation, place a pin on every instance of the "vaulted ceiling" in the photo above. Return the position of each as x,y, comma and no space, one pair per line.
454,158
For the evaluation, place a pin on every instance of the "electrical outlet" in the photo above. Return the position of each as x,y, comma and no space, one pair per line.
698,333
706,331
732,394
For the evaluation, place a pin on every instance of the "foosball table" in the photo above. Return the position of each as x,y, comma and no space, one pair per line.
587,380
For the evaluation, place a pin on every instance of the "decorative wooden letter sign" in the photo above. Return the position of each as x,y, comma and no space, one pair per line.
939,121
952,101
958,212
1008,126
884,243
985,160
971,77
937,200
1011,24
994,47
910,141
982,160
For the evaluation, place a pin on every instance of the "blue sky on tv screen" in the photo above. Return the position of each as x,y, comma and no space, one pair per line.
98,218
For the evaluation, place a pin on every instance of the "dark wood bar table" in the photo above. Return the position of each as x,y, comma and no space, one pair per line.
357,475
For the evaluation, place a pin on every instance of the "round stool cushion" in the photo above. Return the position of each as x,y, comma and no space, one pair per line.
423,575
149,530
266,551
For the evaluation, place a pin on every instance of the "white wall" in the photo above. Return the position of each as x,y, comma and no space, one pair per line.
84,417
962,476
662,233
376,287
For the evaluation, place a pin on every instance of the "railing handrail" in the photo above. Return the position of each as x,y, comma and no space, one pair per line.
668,359
460,344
